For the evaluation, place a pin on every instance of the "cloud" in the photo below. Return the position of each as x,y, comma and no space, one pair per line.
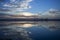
4,9
51,13
24,5
15,5
12,0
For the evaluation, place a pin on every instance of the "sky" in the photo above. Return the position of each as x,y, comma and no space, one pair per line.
33,6
43,5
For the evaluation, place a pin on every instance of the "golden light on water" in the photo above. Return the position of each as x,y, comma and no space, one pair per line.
27,25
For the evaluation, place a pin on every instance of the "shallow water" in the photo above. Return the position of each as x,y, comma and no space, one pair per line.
27,30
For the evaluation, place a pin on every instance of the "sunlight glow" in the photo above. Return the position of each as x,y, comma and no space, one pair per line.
27,14
27,25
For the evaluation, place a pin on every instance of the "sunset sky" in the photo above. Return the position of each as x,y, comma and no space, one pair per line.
31,6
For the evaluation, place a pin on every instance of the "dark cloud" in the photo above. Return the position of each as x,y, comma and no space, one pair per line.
4,9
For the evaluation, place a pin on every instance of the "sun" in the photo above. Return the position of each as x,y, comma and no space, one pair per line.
27,14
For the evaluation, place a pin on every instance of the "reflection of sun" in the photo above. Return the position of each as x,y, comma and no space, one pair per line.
27,25
27,14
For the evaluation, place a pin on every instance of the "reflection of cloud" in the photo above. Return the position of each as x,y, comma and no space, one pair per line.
27,25
14,33
51,25
22,24
17,30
